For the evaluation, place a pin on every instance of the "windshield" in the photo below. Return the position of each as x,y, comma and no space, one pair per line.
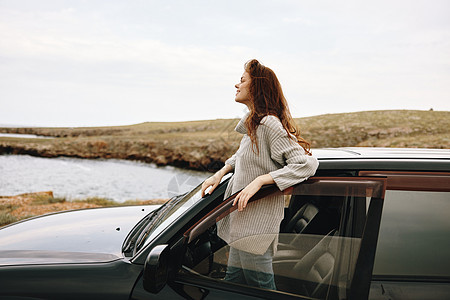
172,211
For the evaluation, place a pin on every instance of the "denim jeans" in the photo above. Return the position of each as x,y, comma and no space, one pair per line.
251,269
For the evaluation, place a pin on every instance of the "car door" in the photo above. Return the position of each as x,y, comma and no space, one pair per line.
330,257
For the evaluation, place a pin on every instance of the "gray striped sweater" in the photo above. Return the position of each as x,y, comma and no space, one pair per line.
256,228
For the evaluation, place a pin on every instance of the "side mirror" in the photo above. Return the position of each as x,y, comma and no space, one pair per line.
156,269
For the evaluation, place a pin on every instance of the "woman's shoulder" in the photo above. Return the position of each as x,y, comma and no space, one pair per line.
273,123
272,127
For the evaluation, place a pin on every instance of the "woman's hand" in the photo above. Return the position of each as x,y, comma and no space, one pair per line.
214,180
245,195
251,189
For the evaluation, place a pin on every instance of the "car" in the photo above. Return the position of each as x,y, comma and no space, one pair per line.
373,223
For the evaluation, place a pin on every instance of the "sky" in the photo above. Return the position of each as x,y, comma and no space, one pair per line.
103,63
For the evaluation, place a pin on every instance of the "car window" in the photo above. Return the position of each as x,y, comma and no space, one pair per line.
414,234
313,254
414,242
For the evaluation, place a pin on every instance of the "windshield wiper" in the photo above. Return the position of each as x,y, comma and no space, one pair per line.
130,243
155,219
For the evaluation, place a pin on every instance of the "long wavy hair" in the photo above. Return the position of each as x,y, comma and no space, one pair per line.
266,98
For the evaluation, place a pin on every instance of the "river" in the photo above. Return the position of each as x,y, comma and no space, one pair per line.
73,178
25,136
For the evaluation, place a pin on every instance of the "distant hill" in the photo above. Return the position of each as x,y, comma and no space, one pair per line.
205,145
388,128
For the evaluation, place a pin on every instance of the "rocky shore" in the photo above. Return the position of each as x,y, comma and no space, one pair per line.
205,145
200,146
188,154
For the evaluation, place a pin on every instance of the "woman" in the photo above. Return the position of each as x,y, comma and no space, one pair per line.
271,151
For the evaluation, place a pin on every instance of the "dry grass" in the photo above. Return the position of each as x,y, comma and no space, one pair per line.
15,208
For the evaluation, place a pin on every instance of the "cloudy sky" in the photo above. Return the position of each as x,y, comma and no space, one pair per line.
86,63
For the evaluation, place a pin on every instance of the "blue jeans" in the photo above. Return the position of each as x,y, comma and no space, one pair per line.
251,269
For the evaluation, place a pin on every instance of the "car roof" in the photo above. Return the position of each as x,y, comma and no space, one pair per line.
380,153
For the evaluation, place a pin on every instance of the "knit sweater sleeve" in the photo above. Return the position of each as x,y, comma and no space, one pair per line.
297,166
231,161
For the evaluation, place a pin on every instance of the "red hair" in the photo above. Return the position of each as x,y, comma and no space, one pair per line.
266,98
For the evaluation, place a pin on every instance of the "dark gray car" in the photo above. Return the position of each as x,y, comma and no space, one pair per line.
371,224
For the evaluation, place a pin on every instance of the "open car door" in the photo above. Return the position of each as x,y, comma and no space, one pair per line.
326,245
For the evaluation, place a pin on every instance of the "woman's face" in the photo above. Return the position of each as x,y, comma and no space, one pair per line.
243,92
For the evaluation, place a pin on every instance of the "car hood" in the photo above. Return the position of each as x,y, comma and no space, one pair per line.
87,235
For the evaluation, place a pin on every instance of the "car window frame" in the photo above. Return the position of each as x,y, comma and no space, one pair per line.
412,180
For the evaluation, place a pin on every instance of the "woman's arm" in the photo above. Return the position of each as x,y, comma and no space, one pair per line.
296,165
251,189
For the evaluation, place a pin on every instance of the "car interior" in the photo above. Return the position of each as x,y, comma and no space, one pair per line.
304,261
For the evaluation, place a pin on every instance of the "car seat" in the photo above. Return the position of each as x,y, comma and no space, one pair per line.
311,275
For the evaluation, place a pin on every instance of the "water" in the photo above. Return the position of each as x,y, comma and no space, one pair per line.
25,136
73,178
